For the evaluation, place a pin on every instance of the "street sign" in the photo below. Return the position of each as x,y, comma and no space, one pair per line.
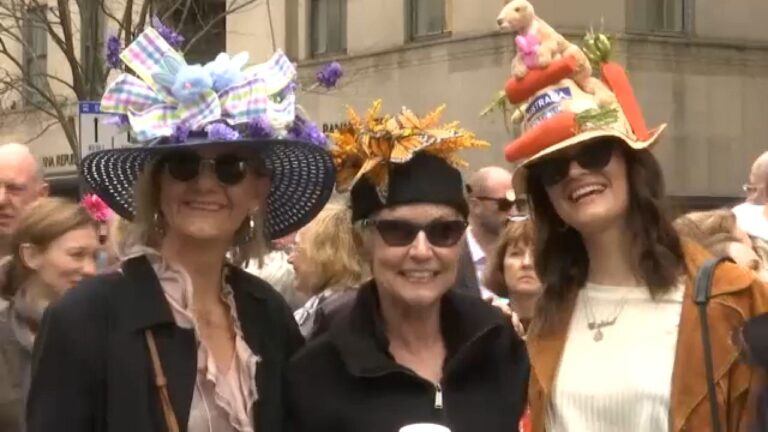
95,135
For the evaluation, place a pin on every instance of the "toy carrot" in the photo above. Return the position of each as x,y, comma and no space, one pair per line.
519,90
615,77
551,131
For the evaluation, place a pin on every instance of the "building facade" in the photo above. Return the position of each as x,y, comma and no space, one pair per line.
698,65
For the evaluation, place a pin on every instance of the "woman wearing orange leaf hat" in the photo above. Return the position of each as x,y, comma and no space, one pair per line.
628,334
410,354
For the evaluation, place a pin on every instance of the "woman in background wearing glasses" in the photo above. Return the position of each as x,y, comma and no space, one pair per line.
410,349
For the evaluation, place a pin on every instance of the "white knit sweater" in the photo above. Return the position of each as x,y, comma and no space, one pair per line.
622,382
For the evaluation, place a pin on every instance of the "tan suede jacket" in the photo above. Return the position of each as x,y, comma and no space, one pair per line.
736,296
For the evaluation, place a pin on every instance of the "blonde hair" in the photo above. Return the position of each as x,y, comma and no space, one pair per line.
147,228
40,224
333,246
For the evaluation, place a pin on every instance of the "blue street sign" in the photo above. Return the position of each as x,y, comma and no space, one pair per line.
90,107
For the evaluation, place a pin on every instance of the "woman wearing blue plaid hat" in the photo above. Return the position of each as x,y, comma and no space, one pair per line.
180,338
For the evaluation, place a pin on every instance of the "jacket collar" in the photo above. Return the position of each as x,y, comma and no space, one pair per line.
545,351
142,305
362,342
728,278
146,303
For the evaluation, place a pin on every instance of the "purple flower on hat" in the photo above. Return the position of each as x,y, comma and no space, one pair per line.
221,132
113,52
260,127
304,130
329,75
174,39
180,133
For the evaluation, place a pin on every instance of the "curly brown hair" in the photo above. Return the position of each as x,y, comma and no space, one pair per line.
516,233
561,258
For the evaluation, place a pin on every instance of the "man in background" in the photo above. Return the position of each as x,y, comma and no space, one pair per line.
488,194
752,215
21,184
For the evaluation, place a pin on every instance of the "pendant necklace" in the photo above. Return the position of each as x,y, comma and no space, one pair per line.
597,326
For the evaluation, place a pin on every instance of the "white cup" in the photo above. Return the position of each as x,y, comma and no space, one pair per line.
424,427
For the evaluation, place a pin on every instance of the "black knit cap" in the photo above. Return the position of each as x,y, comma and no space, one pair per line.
425,179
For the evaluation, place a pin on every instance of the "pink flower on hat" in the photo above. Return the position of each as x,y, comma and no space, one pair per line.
96,207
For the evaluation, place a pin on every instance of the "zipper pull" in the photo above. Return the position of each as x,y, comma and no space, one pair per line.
438,397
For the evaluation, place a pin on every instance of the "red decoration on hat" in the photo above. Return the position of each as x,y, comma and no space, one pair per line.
616,78
549,132
96,207
519,90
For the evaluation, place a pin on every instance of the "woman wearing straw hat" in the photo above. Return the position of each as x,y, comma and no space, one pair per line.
409,350
180,338
617,342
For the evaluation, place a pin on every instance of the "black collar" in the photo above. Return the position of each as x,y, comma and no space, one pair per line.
361,338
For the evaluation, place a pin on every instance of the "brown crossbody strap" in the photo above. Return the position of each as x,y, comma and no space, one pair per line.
161,383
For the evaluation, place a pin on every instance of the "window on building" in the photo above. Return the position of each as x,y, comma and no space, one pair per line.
658,16
201,15
35,53
328,26
426,18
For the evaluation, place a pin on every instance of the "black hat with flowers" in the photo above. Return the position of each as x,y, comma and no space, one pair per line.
386,161
169,105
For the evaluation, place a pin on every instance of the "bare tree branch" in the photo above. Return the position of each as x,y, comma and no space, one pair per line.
232,10
142,16
127,22
184,14
43,131
69,48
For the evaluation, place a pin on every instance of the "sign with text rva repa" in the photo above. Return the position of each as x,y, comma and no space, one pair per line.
95,135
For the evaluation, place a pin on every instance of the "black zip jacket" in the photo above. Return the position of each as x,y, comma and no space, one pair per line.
346,380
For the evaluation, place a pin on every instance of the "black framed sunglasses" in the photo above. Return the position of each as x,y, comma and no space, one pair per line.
398,233
593,157
230,169
502,204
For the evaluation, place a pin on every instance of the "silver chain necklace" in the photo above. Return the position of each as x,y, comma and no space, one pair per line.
597,326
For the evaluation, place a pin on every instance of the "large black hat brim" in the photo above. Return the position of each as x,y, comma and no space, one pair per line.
303,177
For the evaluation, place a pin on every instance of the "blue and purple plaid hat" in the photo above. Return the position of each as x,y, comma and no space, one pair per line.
169,105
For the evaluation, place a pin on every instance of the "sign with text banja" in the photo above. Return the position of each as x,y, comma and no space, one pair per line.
95,133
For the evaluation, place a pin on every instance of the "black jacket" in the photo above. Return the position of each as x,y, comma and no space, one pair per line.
346,380
92,369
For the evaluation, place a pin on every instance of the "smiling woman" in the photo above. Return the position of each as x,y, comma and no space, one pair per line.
180,337
410,349
617,312
53,248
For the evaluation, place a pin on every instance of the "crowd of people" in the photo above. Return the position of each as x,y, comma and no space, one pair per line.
240,277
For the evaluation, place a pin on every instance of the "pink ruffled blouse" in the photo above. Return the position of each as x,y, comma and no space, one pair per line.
223,400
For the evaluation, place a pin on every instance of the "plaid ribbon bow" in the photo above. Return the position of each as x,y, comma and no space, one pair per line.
153,112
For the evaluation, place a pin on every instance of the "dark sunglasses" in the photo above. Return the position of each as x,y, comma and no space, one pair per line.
398,233
502,204
230,169
592,157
